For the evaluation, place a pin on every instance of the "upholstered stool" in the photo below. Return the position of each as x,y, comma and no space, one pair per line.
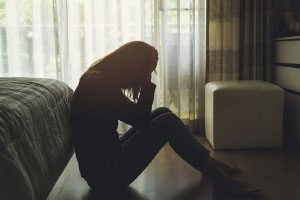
243,114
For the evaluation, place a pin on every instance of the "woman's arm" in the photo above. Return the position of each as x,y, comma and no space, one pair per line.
136,114
100,98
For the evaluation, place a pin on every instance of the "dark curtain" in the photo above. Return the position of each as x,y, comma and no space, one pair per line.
239,40
223,40
256,42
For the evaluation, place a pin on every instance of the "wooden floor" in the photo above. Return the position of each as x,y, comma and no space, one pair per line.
170,178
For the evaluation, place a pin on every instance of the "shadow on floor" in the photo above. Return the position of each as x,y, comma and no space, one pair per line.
127,194
204,191
197,191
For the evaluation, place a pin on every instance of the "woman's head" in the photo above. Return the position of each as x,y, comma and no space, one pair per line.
137,57
129,65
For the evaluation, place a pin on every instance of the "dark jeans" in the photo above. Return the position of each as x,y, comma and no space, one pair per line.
140,145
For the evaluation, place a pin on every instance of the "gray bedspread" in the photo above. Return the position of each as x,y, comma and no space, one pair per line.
34,133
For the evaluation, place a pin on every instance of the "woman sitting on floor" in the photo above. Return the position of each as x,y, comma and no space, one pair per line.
101,99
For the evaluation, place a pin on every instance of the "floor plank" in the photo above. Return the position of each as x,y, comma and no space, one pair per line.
168,177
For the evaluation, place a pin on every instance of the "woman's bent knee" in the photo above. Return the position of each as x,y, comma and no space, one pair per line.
158,111
165,125
166,119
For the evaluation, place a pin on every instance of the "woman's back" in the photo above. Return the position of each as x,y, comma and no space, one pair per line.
94,123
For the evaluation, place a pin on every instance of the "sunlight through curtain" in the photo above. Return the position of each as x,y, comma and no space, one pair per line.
60,38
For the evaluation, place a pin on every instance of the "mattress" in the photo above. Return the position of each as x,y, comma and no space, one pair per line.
34,134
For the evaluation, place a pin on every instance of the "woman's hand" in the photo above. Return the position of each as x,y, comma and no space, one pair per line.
148,78
153,61
152,64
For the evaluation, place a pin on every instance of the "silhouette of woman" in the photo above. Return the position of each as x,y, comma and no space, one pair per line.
108,162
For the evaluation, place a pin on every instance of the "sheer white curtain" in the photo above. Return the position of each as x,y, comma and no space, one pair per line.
27,45
61,38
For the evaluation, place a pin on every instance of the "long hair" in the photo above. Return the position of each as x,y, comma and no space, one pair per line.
129,62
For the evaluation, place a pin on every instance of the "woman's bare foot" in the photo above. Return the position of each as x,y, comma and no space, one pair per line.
232,187
223,183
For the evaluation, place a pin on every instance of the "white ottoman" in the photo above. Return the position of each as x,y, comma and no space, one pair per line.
243,114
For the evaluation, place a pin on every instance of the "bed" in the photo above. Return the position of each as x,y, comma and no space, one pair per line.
35,136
